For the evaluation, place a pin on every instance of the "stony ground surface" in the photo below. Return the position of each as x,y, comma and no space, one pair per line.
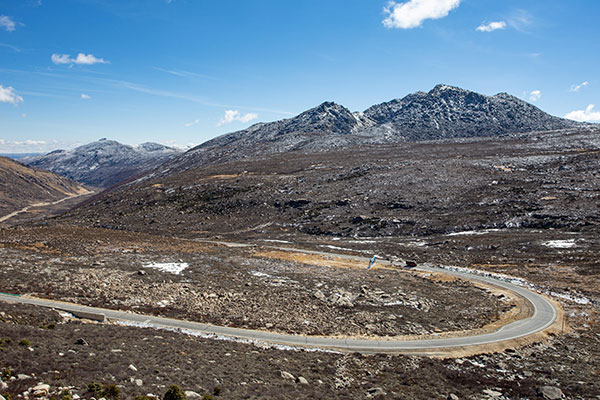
65,353
234,287
526,207
539,181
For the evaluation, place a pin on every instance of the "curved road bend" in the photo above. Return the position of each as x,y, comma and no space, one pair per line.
544,315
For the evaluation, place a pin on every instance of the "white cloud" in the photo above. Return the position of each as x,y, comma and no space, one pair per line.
8,95
234,115
7,23
248,117
194,122
81,59
85,96
29,142
61,59
492,26
412,13
584,115
575,88
535,95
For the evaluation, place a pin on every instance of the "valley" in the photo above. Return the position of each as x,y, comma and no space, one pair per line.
270,232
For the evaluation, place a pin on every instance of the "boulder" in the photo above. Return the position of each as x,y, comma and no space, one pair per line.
287,375
452,396
189,394
302,380
132,367
138,382
550,393
492,394
40,390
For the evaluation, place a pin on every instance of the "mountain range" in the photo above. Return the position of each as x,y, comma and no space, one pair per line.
445,112
103,163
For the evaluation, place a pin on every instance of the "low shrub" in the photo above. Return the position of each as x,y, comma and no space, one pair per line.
94,387
174,393
111,392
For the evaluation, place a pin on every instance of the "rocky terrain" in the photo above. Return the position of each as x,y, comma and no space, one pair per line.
445,112
21,186
40,347
235,287
543,180
103,163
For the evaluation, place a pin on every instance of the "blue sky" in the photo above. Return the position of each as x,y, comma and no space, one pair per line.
183,71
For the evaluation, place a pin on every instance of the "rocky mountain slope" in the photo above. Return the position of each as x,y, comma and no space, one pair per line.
445,112
103,163
538,180
21,186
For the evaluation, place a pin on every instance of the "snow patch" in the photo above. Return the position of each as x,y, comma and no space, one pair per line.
335,247
260,274
481,232
173,268
560,244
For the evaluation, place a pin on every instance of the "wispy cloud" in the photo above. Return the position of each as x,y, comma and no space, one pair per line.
576,88
412,13
7,23
183,73
492,26
520,20
535,95
8,95
10,46
234,115
81,59
584,115
85,96
194,122
182,96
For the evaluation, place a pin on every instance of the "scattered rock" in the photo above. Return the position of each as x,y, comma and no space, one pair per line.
40,390
319,295
22,377
342,298
81,341
189,394
551,393
132,368
492,393
3,385
2,397
138,382
287,375
452,396
375,391
302,380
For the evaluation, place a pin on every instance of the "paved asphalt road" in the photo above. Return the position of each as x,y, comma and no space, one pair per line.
544,315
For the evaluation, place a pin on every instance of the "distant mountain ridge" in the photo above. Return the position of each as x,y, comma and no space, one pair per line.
21,186
103,163
445,112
